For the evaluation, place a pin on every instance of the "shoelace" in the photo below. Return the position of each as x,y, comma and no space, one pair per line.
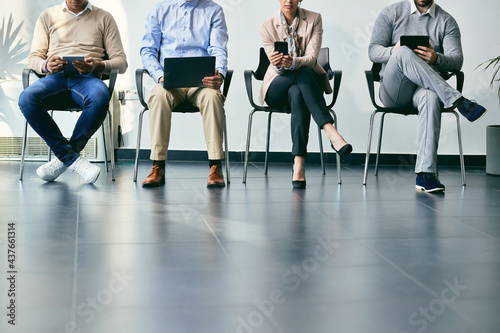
82,167
54,165
216,170
431,176
153,169
467,103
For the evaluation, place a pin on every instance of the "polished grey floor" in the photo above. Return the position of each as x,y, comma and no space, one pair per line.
260,257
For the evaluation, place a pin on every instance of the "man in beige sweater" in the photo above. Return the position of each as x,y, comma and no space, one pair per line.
73,28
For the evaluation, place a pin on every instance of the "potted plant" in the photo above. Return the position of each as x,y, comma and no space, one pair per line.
493,131
495,65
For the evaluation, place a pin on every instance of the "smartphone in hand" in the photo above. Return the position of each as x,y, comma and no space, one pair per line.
281,47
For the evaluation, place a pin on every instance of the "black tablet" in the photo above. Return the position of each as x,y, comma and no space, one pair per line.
187,72
414,41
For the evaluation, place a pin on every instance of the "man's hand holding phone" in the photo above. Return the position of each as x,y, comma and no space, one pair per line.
427,54
55,64
84,66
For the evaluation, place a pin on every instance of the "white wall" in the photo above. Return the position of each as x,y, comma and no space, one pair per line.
347,29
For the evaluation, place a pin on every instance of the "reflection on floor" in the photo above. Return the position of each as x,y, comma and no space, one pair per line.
260,257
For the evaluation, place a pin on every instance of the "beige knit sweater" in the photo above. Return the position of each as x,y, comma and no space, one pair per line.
92,34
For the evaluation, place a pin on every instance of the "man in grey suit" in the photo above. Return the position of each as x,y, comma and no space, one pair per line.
412,77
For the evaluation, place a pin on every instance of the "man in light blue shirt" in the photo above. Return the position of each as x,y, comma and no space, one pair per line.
185,28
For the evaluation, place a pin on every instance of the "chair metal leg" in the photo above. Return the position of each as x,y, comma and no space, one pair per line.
249,131
49,156
339,166
460,149
370,132
266,162
105,146
321,154
228,176
379,142
111,145
23,149
138,146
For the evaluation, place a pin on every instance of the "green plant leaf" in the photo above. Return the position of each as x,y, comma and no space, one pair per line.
13,50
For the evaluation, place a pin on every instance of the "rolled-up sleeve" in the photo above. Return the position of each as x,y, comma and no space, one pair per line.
379,50
150,48
218,41
114,47
39,45
452,59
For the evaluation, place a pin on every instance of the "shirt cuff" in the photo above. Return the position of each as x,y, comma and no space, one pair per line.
292,66
222,71
156,75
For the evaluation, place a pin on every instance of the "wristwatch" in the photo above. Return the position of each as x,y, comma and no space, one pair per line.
222,77
438,60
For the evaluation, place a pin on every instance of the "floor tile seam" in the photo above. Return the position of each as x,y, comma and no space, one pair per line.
476,229
434,209
81,271
252,291
75,262
422,238
428,290
179,270
146,243
411,278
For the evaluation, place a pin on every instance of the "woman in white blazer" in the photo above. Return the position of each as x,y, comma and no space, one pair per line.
297,80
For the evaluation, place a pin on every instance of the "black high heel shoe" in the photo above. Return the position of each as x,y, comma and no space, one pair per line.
345,150
299,184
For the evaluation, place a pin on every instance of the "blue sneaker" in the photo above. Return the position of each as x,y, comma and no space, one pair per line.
428,182
470,109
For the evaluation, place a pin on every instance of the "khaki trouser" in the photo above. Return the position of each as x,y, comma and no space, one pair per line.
162,102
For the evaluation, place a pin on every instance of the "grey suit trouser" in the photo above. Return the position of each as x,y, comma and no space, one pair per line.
407,79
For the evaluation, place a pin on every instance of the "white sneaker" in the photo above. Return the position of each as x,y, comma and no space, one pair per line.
85,169
51,170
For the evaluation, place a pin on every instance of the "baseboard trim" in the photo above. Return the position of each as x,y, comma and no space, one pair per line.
312,158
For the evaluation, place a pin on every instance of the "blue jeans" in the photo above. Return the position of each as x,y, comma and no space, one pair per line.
58,92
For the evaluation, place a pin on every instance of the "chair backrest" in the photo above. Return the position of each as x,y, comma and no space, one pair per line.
263,65
324,61
376,68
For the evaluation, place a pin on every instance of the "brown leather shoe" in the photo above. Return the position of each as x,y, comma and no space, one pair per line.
215,178
155,178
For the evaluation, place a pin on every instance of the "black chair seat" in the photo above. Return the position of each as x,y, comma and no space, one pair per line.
186,108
